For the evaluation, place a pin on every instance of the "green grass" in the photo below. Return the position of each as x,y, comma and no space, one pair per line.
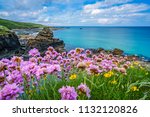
19,25
100,86
3,30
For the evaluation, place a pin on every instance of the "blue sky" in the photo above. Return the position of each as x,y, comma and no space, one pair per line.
78,12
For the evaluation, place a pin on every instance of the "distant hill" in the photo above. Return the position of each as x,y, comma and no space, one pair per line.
18,25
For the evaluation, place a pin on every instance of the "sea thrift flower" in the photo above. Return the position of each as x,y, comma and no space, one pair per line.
94,69
15,77
16,59
125,66
84,89
107,65
39,73
34,52
122,70
81,65
52,68
2,78
51,49
79,50
10,92
73,76
2,66
33,59
68,93
88,52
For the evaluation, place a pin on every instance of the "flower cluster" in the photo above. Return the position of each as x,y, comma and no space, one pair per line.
69,93
10,91
18,75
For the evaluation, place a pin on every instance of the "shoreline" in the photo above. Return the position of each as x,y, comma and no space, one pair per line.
26,34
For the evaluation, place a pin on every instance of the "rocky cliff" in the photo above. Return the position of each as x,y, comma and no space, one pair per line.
8,41
44,39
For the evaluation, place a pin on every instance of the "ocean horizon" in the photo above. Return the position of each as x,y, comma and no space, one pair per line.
131,39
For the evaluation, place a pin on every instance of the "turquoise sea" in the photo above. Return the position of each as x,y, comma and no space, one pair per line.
133,40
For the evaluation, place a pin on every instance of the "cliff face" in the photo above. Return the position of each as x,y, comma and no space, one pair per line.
9,42
44,39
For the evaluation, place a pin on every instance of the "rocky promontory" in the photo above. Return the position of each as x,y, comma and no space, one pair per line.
16,45
9,41
44,39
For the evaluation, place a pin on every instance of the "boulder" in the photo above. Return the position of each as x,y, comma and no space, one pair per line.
9,41
117,51
46,33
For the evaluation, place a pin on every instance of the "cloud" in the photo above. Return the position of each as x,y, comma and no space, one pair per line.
107,20
4,14
117,11
34,13
76,12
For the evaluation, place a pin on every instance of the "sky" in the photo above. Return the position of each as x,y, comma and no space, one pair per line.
78,12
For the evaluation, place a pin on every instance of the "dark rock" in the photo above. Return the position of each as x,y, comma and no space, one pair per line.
100,50
46,33
9,42
132,57
117,51
44,39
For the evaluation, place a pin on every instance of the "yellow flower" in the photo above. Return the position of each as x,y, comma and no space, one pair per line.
134,88
132,66
108,74
114,82
136,63
73,76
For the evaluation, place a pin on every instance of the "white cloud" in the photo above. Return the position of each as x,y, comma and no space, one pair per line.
34,13
108,21
95,11
4,14
114,11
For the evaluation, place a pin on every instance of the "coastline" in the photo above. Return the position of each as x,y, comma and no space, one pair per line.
28,34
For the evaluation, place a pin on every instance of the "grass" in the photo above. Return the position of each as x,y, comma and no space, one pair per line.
135,85
19,25
3,30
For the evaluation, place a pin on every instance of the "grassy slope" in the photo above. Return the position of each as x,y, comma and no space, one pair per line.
3,30
18,25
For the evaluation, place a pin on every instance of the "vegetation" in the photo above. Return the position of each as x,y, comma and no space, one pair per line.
77,74
3,30
18,25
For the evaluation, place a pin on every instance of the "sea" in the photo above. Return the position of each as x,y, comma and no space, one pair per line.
132,40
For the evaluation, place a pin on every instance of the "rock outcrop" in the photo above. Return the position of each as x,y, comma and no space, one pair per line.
117,51
44,39
9,41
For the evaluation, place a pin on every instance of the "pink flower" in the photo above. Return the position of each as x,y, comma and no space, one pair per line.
88,52
50,48
68,93
93,69
34,52
84,89
10,92
2,66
